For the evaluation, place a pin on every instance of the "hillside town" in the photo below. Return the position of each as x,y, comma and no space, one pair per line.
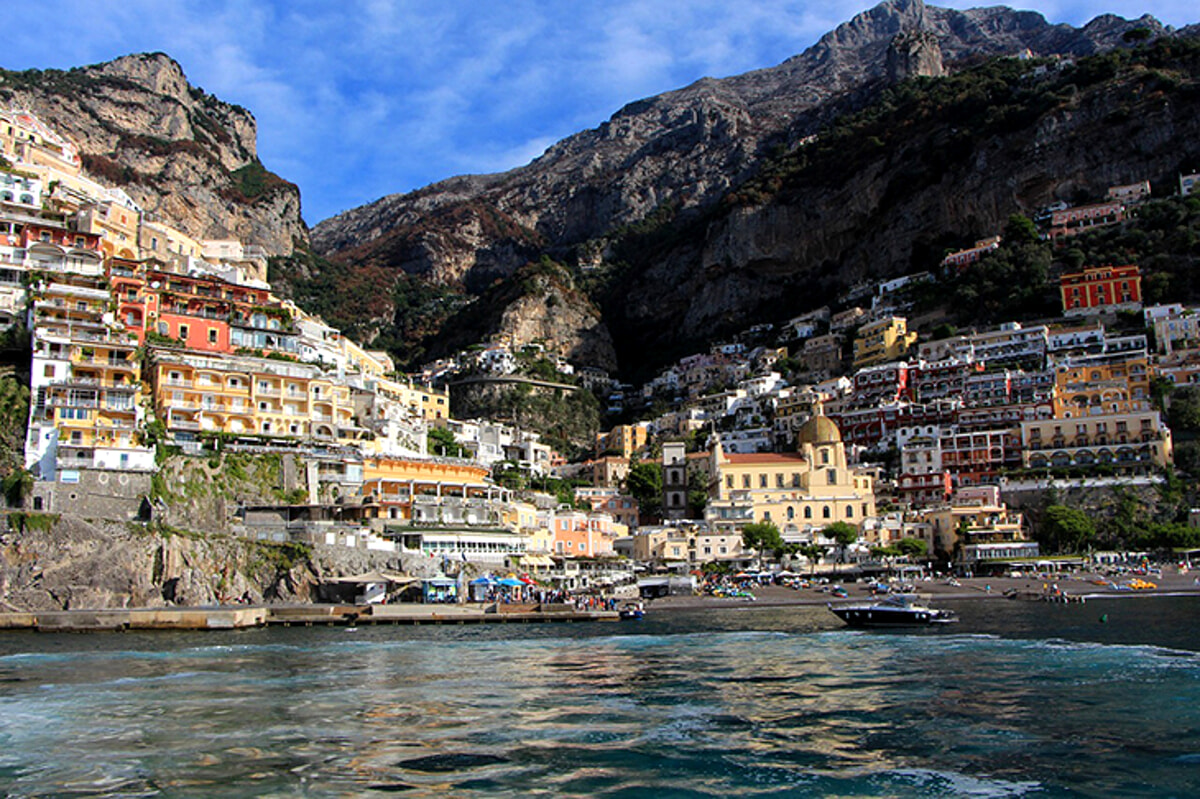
147,341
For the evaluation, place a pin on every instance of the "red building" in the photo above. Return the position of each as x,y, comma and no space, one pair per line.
1101,288
197,310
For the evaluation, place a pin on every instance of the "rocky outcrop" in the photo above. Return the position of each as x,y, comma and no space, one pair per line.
178,152
678,154
76,563
913,55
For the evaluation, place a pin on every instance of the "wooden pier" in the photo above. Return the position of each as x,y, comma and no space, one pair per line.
247,617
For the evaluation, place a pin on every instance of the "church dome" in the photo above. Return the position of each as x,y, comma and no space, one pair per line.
819,430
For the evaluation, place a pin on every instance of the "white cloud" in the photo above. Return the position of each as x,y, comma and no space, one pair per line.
361,98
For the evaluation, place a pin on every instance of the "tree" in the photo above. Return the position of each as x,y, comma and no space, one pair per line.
17,485
761,536
1065,529
843,533
813,552
442,442
645,484
912,547
1183,412
1020,230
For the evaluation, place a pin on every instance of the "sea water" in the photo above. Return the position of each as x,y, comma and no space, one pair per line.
1019,699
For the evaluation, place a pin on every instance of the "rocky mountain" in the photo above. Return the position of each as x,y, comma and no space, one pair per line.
641,206
177,151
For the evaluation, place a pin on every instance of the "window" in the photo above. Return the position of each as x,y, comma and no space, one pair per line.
212,335
807,512
832,476
183,332
825,512
48,370
745,481
762,481
849,512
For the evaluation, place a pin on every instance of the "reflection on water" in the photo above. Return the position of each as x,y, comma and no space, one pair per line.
1019,699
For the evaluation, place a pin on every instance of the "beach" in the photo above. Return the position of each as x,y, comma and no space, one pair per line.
1086,585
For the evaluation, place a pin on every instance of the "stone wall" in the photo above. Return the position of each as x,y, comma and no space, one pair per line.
98,494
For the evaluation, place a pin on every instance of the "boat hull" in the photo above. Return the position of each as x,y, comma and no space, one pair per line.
871,616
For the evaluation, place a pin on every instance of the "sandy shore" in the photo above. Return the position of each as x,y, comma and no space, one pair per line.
1085,584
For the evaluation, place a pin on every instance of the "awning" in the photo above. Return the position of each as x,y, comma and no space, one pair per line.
537,560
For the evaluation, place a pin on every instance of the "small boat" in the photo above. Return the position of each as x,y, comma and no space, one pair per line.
631,611
892,611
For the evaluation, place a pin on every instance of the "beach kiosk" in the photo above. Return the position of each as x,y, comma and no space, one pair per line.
439,590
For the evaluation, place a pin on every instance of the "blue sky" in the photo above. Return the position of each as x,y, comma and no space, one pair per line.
356,99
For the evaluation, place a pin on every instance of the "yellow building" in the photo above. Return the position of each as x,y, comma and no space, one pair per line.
116,223
800,492
1118,383
1133,441
432,490
161,241
977,527
623,440
885,340
25,138
250,396
85,381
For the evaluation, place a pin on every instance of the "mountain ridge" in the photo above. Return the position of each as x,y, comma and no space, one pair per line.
177,151
679,153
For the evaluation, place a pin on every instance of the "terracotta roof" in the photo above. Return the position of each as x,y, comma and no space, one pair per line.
747,458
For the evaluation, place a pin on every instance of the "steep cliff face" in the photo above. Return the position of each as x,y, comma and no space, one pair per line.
178,152
884,198
680,153
82,564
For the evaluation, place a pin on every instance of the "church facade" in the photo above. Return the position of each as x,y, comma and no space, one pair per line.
799,492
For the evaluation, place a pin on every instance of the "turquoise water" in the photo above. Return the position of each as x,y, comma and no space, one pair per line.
1019,699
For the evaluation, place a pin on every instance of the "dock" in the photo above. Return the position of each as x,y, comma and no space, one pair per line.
248,617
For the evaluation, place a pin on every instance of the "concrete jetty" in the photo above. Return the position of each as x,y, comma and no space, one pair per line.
246,617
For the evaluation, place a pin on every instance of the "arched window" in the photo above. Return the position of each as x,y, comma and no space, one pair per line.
825,513
849,512
807,512
791,513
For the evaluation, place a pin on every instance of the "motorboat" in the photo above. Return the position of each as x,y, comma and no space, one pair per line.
632,611
892,611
